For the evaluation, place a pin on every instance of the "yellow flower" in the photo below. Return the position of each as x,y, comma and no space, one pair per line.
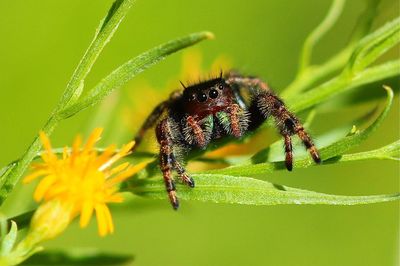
81,182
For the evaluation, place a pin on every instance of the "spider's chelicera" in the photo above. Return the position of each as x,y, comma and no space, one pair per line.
228,105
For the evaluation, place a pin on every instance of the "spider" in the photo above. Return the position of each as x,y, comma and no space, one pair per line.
228,105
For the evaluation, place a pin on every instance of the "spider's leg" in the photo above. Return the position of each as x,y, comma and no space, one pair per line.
150,122
235,123
182,173
288,125
198,134
163,133
268,104
288,152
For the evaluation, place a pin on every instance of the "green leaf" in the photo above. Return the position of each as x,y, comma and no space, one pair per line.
334,12
374,45
343,83
8,242
72,92
244,190
78,257
128,70
104,33
312,75
388,152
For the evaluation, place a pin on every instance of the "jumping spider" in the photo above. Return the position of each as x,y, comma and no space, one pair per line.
230,104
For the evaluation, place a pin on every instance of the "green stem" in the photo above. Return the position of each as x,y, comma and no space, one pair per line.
328,22
11,179
104,33
315,74
342,83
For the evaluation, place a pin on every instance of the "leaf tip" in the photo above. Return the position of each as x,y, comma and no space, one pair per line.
209,35
388,90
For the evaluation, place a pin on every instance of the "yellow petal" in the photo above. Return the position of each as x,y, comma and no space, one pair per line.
34,175
115,198
126,149
126,174
110,224
43,186
65,153
86,213
94,137
46,142
106,155
119,168
77,143
101,220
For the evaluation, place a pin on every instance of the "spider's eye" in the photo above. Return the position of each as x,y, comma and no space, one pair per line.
191,97
221,87
213,94
201,97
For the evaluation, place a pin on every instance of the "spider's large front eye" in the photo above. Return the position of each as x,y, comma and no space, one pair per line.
213,94
201,97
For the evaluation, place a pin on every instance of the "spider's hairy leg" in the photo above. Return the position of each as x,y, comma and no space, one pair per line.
163,133
288,125
198,133
235,123
150,122
182,173
269,104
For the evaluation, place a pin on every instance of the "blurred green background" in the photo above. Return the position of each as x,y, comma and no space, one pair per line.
41,43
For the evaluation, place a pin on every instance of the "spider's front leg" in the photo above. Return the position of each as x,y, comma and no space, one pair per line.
168,162
154,116
150,122
268,104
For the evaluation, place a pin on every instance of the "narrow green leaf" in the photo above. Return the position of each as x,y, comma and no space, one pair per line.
332,16
127,71
374,45
249,191
8,242
75,86
388,152
78,257
6,170
12,176
104,33
342,83
313,75
376,73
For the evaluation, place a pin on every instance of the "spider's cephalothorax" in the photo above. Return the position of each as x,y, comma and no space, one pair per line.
229,105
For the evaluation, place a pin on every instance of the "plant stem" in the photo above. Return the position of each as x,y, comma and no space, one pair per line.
330,19
13,176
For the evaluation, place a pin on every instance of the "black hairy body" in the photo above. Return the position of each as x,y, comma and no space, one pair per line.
229,105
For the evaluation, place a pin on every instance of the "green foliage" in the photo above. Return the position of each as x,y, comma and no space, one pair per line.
216,186
10,252
243,181
233,185
130,69
78,257
71,103
220,188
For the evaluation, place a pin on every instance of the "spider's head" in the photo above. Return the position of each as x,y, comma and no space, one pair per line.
207,97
